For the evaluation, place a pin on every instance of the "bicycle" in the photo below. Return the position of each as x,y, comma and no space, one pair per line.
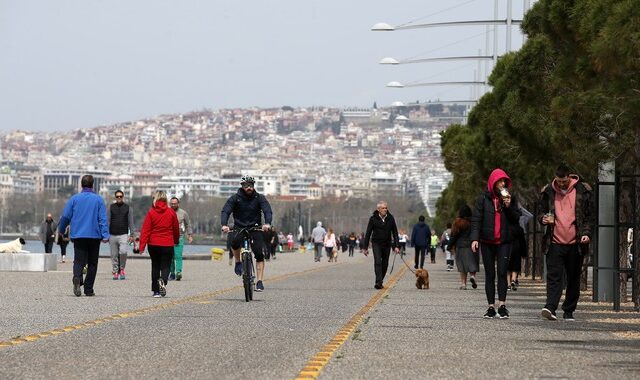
246,256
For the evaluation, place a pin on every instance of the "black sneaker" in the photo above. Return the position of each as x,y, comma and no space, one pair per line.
503,312
378,286
548,314
473,282
76,287
568,316
491,313
90,294
162,287
238,268
259,286
514,286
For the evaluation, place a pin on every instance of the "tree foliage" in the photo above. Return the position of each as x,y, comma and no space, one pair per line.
570,94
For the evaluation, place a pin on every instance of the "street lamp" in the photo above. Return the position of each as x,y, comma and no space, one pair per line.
393,61
395,84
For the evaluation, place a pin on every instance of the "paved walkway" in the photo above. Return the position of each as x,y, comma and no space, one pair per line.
204,329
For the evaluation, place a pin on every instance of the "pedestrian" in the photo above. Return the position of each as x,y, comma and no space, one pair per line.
48,233
330,246
352,243
120,217
467,261
444,244
62,239
248,208
433,246
317,236
495,212
420,239
518,249
290,241
273,242
175,271
161,233
402,239
565,208
382,232
86,215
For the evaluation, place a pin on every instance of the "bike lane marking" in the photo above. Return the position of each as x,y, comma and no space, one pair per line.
314,366
198,298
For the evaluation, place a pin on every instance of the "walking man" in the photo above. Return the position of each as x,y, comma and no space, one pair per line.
565,209
420,238
120,218
48,233
382,232
317,237
175,273
86,213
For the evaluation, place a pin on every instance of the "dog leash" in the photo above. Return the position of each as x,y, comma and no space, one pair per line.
408,267
393,263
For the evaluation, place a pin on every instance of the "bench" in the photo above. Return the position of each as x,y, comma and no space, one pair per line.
28,262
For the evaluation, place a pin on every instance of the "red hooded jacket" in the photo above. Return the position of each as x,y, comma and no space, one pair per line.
160,227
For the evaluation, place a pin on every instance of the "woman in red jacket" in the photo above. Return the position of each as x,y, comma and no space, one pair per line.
161,232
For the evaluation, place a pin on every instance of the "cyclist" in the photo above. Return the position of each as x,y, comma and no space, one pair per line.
247,207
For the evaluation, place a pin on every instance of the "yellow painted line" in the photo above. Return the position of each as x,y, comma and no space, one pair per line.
199,298
314,366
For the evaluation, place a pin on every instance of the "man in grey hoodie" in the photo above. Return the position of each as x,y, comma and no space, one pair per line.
317,237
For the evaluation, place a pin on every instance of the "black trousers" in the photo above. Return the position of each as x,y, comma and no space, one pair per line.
420,254
563,259
161,258
432,252
491,254
86,252
381,260
48,246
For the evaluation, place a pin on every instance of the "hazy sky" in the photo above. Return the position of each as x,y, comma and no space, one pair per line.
73,64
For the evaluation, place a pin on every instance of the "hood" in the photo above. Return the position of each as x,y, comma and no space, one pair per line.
421,225
160,206
574,180
496,175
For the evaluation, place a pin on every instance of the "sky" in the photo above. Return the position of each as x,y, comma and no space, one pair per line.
69,64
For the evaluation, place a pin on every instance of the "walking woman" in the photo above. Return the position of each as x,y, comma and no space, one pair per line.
161,232
330,245
62,238
466,260
496,211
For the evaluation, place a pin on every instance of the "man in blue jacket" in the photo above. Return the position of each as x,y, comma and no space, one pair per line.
87,215
420,238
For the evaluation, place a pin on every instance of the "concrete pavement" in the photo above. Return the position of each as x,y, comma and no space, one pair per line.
204,329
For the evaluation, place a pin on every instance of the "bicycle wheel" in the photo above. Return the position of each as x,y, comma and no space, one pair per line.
246,276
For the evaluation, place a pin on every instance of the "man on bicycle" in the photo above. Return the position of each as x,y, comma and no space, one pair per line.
247,207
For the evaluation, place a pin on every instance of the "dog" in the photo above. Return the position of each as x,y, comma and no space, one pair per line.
422,279
13,246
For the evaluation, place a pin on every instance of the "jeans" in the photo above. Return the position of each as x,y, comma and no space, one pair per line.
563,259
381,260
318,251
490,254
420,255
86,253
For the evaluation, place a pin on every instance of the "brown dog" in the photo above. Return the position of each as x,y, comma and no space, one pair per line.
422,279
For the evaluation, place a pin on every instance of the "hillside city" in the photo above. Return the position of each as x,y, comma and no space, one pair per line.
296,154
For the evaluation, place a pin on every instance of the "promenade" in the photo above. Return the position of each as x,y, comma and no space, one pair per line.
320,320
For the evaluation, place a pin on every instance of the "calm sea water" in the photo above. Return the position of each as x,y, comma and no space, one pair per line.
36,246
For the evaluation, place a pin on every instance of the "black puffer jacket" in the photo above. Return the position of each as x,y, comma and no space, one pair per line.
381,232
246,209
